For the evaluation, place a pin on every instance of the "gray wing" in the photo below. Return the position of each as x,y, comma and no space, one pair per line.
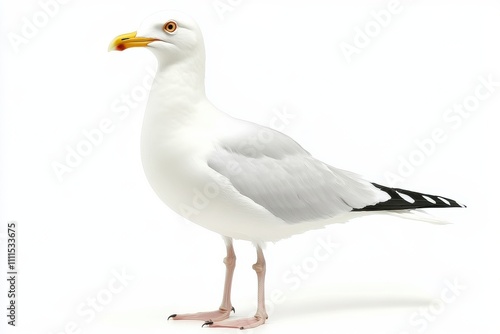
277,173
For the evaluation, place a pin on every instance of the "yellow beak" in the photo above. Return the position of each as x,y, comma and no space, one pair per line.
129,40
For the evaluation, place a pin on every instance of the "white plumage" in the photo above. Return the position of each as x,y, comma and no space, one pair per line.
200,163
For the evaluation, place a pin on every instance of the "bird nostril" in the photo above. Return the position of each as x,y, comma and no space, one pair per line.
124,39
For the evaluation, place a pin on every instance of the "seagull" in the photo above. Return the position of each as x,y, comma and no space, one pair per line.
236,178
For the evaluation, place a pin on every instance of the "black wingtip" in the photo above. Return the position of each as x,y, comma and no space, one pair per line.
401,199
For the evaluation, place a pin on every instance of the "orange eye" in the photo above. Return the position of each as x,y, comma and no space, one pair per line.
170,27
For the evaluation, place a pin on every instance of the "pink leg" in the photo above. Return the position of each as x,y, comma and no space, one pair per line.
260,316
226,307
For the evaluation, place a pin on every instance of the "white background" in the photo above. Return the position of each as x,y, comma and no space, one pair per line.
262,57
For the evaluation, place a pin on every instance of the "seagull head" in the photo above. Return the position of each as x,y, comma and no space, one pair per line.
172,36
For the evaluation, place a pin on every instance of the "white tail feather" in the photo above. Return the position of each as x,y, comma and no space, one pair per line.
418,214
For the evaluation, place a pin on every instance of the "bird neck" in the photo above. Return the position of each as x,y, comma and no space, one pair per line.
177,96
178,84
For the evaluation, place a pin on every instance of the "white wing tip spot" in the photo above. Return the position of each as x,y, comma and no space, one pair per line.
444,200
429,199
406,197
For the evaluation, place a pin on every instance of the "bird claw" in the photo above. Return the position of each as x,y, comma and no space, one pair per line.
171,316
210,322
207,323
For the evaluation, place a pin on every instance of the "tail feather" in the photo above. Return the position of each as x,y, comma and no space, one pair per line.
419,215
402,199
